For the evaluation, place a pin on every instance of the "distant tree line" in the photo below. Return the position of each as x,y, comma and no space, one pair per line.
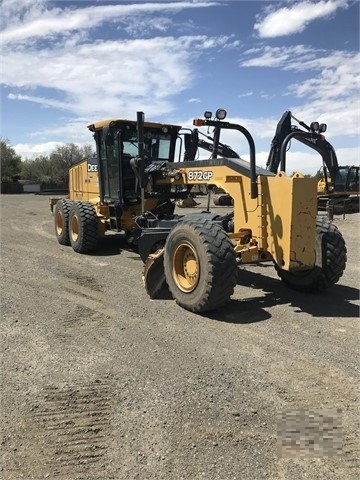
43,169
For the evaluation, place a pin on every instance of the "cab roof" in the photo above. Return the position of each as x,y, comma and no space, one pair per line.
110,122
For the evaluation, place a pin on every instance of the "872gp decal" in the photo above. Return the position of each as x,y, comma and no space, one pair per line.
204,175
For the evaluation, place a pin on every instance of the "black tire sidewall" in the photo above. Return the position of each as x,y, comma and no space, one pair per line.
332,246
186,234
87,238
216,260
62,208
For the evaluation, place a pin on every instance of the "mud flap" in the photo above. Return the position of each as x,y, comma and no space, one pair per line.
154,276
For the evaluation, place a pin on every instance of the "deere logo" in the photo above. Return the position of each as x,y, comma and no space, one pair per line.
92,168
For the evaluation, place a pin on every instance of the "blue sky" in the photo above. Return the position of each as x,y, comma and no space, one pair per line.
67,63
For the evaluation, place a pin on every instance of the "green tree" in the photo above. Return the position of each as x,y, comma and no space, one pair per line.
319,175
10,162
64,157
38,170
71,154
54,168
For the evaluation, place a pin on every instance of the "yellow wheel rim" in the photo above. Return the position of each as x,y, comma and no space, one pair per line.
186,268
59,223
74,228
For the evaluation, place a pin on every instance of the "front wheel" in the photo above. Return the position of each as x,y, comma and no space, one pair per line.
83,227
333,259
200,265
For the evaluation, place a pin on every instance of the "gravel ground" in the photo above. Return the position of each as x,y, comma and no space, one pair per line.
100,382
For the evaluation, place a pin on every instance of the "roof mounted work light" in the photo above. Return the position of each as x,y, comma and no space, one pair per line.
220,114
314,126
208,115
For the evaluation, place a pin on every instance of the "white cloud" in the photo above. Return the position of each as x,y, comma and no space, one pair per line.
348,156
14,10
279,57
74,130
60,22
295,18
138,26
331,93
30,151
45,102
341,117
246,94
112,76
48,58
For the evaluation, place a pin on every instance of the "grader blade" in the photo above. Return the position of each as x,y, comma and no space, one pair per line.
154,276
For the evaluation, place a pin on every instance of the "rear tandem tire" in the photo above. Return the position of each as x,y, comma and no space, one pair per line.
333,251
83,227
200,265
61,217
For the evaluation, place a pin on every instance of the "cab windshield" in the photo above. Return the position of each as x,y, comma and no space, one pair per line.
155,148
116,149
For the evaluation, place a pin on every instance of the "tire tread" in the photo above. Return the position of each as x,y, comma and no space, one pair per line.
88,228
65,206
222,268
333,261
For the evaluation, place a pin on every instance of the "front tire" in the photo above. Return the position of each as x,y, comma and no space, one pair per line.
61,217
333,253
200,265
83,227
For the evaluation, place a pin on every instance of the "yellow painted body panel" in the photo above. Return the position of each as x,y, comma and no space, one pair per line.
282,219
83,184
289,206
321,186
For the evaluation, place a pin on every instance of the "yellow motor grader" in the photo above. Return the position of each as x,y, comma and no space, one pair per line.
132,187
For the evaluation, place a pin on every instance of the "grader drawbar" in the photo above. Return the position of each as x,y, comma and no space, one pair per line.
132,187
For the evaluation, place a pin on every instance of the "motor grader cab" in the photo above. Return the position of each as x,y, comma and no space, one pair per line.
340,194
339,183
194,258
123,151
346,179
